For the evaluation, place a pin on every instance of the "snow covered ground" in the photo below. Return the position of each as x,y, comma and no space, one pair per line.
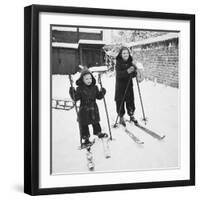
161,108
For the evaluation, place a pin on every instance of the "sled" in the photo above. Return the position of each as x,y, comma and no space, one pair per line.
62,104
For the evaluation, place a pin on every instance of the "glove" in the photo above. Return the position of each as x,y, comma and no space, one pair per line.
130,69
103,90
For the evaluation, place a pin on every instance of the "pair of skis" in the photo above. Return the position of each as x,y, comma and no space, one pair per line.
130,134
90,161
89,153
150,132
146,130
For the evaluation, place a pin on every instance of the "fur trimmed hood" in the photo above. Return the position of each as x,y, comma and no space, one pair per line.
80,82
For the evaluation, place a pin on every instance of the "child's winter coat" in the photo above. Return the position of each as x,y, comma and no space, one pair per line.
88,111
122,79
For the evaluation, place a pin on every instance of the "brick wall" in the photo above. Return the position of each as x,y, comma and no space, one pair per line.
160,61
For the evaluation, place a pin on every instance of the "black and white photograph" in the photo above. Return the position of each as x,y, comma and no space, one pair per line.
114,100
109,95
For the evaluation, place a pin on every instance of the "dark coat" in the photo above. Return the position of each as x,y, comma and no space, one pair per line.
122,79
88,111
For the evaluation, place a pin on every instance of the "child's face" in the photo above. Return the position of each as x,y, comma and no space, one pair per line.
87,79
125,54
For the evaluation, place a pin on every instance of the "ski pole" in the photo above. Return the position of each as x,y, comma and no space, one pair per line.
115,125
76,108
138,86
106,109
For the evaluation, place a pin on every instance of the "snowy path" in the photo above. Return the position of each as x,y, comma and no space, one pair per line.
161,108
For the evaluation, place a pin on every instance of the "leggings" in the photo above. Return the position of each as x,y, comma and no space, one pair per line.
85,130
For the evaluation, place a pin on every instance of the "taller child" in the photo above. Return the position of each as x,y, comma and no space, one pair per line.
125,70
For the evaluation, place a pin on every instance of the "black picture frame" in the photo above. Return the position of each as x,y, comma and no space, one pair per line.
31,98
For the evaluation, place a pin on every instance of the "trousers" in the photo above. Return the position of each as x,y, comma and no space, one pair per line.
85,133
130,107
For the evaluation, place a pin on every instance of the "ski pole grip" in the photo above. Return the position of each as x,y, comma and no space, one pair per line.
99,79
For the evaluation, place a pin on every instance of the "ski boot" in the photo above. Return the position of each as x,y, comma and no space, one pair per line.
122,121
102,135
133,119
86,143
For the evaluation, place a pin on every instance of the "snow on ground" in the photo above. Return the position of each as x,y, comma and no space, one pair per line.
161,108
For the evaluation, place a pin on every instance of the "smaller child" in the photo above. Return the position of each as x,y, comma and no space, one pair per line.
87,92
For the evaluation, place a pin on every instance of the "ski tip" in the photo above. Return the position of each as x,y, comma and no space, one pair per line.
162,137
91,168
141,143
108,156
